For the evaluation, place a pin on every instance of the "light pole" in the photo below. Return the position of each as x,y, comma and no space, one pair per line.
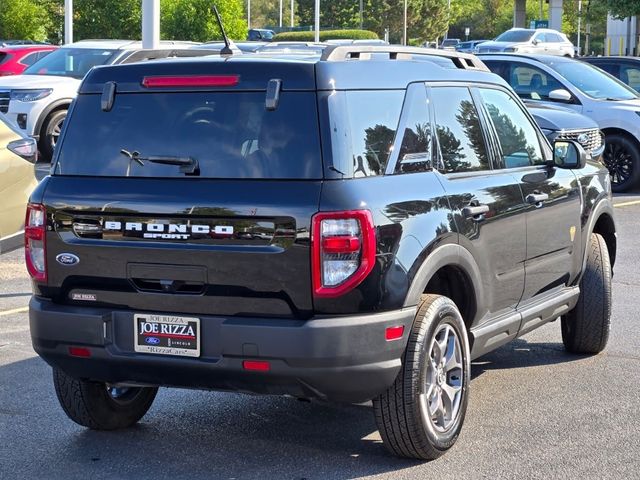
249,13
579,23
291,13
404,35
317,21
280,23
361,14
68,21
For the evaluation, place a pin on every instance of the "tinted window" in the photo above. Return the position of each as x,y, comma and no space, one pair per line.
528,81
29,59
631,76
373,120
609,68
230,135
414,154
3,57
460,139
70,62
520,146
554,37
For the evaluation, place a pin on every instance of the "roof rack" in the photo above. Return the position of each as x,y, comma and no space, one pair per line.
337,53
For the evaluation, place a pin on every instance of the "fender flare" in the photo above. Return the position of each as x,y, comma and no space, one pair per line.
448,255
603,206
47,111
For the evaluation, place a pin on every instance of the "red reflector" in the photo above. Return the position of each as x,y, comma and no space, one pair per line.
255,365
191,81
393,333
341,244
79,352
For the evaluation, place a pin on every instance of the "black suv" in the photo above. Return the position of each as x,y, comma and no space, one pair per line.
353,226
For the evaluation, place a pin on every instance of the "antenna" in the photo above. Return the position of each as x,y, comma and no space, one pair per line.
226,50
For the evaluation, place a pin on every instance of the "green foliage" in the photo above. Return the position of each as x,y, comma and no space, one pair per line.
194,20
326,35
23,19
623,8
107,19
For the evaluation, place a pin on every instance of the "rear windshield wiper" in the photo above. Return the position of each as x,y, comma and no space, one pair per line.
188,165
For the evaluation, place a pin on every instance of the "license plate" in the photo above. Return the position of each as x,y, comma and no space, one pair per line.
167,335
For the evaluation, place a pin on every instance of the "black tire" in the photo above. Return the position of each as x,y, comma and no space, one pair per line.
585,329
622,158
402,412
49,134
93,404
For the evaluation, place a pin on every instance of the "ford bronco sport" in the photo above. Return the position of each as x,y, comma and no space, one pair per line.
353,226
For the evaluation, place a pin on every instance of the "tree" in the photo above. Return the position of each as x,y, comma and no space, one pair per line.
623,8
23,19
194,20
102,19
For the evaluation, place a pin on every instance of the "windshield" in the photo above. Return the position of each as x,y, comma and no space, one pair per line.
594,82
515,36
227,135
70,62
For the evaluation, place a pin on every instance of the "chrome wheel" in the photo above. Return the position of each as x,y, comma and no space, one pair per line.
55,132
619,162
443,382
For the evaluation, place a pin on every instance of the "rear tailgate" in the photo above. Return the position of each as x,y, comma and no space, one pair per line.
224,247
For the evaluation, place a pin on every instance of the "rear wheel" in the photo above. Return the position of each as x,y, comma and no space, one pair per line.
622,159
585,329
50,133
100,406
420,416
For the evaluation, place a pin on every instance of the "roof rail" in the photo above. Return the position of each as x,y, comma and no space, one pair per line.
337,53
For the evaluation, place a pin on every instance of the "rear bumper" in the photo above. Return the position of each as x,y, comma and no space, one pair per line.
334,358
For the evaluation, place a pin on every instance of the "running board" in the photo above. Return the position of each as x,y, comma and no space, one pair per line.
535,313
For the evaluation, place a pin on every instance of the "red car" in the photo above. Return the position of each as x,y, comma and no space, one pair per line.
14,59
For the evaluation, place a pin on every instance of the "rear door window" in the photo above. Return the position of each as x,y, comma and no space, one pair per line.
531,82
459,132
229,135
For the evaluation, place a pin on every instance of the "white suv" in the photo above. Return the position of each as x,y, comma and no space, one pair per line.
615,107
526,40
37,101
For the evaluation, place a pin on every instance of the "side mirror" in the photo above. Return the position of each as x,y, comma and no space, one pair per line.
535,41
569,154
25,148
560,94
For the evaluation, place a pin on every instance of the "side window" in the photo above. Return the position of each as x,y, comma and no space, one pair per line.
518,138
373,120
458,131
631,76
531,82
29,59
541,38
610,68
414,134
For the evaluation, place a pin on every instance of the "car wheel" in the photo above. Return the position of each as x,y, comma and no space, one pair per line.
100,406
50,133
585,329
622,159
420,416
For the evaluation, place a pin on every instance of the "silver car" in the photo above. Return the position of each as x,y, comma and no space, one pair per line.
524,40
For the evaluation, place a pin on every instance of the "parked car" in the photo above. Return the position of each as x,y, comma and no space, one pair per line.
15,59
350,226
449,43
37,101
244,47
4,43
560,123
469,46
625,69
525,40
585,89
18,155
260,35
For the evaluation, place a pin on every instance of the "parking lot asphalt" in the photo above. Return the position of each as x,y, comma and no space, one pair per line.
535,412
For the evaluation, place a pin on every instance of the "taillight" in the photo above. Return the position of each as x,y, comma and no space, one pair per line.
343,249
191,81
35,241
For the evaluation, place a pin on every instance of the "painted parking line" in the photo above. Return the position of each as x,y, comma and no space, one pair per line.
626,204
14,311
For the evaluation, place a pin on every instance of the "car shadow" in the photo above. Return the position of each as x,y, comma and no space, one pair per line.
198,434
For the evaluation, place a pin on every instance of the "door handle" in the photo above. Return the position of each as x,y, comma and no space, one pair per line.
475,212
537,198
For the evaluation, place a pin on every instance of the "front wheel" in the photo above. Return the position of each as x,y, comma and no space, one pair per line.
585,329
622,158
100,406
420,416
50,133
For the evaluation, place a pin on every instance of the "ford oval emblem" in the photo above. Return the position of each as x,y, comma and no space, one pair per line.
67,259
152,340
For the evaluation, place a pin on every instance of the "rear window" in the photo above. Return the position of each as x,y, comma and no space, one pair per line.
229,135
3,57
